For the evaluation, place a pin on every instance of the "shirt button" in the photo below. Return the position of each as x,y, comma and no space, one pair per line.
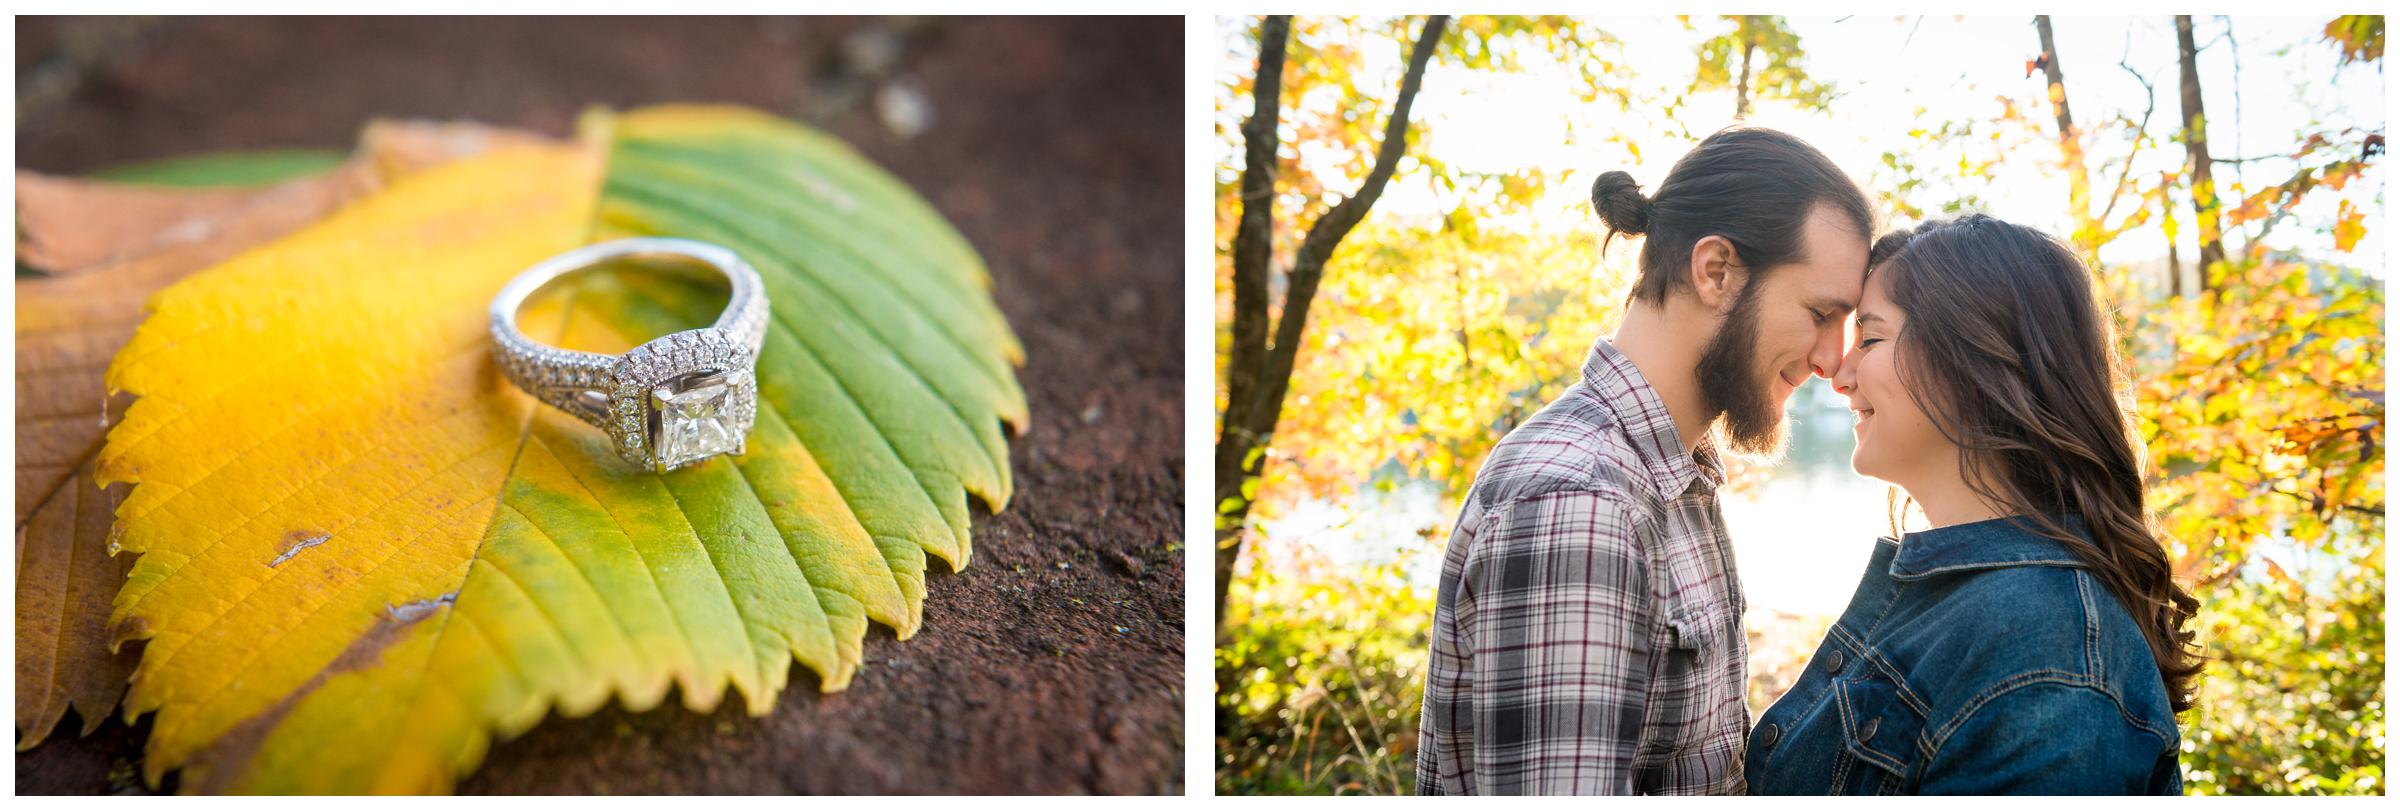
1833,662
1767,735
1867,733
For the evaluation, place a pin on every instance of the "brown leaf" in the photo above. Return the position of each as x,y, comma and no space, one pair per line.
64,589
67,225
104,249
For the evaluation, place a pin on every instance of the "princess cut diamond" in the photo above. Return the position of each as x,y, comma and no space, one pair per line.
694,417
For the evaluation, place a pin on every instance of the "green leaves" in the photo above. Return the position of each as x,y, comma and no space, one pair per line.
232,169
1764,53
2292,699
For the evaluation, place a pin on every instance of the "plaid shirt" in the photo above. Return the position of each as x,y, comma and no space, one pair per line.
1587,637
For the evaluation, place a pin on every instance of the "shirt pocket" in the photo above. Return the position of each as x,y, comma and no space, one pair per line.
1881,736
1700,679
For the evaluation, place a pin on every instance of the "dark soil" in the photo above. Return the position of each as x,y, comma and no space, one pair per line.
1054,663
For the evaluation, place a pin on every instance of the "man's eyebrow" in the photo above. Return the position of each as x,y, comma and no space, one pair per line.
1840,305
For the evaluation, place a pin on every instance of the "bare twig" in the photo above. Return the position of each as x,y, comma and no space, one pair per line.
2141,135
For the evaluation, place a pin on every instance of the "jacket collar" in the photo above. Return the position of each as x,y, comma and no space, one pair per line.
1620,386
1994,544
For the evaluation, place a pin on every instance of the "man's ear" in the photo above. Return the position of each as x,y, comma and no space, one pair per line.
1715,276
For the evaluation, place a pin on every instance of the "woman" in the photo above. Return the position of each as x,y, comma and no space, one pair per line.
2033,641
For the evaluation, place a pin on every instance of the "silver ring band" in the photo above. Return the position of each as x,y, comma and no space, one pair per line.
673,401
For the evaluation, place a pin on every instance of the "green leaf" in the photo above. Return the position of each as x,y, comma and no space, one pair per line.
226,169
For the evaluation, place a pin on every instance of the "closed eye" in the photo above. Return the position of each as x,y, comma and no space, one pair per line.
1867,342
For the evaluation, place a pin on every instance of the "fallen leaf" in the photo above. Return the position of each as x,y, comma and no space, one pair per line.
105,247
65,580
364,555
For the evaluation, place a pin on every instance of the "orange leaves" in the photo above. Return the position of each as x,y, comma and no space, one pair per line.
2336,175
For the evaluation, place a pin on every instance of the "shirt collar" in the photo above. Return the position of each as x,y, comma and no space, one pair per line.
1997,543
1621,387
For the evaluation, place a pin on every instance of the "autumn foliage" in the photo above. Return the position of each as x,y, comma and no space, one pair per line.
2257,382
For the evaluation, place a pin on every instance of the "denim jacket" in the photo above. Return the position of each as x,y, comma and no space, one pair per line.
1974,659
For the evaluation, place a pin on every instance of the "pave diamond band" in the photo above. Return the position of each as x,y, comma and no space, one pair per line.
674,401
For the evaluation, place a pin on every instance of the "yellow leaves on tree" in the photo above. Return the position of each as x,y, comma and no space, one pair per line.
2349,226
2263,412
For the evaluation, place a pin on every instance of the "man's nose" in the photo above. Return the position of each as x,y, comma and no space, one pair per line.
1826,360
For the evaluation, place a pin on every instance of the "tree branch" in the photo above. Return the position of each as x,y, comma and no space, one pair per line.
1308,265
2141,131
2053,72
2070,145
1258,375
2319,504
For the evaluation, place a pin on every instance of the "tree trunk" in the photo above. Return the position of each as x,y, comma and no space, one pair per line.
1741,87
1258,374
2167,224
1253,250
2195,143
2070,146
2174,271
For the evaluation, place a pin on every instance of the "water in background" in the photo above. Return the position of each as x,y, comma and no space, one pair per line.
1801,537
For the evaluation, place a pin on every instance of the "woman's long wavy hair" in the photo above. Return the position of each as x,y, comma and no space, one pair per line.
2009,352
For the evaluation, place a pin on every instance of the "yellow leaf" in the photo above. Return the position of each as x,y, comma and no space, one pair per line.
394,474
2350,225
364,555
104,248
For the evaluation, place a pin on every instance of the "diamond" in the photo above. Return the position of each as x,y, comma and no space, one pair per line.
695,417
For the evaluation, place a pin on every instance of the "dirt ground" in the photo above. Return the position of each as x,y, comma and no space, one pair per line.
1054,662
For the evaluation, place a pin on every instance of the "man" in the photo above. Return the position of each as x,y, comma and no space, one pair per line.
1587,636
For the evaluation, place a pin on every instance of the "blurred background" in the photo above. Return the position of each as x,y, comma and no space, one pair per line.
2222,175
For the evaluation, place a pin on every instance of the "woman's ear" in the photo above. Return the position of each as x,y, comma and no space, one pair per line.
1716,278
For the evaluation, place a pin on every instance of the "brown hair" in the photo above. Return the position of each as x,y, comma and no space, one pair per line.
2010,354
1753,186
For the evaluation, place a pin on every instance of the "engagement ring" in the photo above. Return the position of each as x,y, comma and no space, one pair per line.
668,403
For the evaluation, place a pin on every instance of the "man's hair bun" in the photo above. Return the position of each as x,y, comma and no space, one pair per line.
1620,203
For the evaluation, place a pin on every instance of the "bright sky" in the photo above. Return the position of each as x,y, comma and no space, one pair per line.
1803,537
1886,67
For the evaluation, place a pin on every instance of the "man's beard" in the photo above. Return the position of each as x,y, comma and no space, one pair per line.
1728,375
